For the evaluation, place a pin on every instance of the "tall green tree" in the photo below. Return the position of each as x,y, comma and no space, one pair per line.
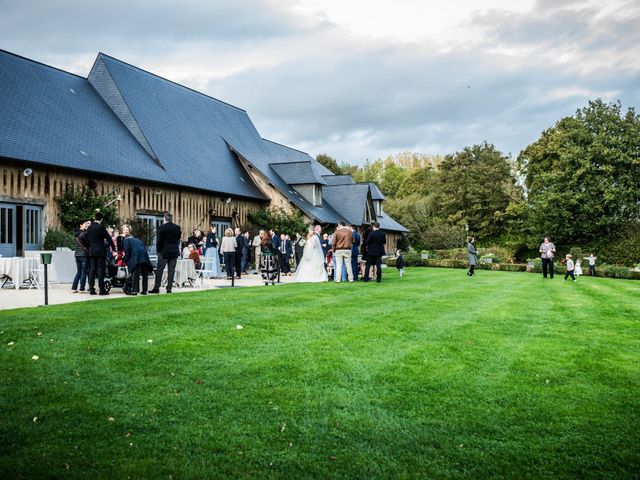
422,181
582,175
392,178
330,163
476,186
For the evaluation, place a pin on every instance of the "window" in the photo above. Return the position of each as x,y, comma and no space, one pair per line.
378,207
221,224
317,197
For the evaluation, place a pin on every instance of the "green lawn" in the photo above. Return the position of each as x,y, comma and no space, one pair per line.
435,375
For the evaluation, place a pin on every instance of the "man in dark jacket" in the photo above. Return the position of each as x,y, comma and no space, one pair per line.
240,243
374,244
354,252
138,262
168,249
286,252
97,236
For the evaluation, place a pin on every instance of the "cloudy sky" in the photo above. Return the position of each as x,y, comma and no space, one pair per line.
359,79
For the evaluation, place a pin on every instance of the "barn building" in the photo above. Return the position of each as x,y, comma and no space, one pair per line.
159,146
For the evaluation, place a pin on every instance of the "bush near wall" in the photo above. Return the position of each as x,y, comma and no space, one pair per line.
58,238
499,254
608,271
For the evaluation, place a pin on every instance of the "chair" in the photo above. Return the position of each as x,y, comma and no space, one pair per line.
203,273
36,273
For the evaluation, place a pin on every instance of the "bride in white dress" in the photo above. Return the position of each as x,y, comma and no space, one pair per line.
311,268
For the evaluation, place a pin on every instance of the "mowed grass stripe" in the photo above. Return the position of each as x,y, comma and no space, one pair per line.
432,376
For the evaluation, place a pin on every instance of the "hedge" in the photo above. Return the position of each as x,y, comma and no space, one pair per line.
609,271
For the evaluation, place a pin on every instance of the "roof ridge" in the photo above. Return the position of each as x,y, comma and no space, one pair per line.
285,146
193,90
288,163
30,60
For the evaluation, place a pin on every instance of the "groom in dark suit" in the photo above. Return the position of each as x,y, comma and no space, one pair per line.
97,236
374,244
168,249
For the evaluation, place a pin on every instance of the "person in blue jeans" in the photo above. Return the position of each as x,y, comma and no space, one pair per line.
82,257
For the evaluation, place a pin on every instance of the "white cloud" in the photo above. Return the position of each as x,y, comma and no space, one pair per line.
360,79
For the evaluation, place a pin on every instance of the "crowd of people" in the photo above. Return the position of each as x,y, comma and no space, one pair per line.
314,256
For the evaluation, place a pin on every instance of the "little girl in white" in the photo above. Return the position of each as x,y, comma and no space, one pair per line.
578,270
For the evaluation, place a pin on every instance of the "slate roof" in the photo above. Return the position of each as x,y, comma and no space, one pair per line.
376,194
283,154
298,173
338,179
127,122
52,117
187,130
388,223
349,200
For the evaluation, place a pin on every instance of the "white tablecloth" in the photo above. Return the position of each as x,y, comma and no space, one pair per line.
185,272
63,265
18,268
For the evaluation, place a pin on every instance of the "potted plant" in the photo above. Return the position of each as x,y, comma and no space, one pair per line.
488,258
424,254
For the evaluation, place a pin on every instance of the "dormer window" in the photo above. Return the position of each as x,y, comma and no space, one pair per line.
377,204
312,192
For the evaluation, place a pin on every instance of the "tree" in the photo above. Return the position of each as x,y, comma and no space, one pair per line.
330,163
476,186
278,220
392,178
422,181
79,205
582,174
427,230
370,172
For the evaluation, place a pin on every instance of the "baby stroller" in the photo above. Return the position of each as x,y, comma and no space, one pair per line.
117,274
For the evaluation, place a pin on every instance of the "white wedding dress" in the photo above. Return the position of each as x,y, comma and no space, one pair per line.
311,268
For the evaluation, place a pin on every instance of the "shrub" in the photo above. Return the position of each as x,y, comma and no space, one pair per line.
413,259
513,267
615,271
57,238
79,205
452,254
279,220
576,253
501,254
624,246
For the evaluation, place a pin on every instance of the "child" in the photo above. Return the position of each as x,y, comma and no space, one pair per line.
400,262
194,254
592,264
570,268
578,268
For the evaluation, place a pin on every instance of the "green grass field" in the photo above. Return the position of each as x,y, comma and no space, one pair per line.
435,375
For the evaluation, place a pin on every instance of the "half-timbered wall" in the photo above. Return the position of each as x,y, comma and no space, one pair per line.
189,207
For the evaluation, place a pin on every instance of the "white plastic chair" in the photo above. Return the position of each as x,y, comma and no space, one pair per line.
36,273
204,273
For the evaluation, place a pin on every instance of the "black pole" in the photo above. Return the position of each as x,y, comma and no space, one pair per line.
279,261
46,286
